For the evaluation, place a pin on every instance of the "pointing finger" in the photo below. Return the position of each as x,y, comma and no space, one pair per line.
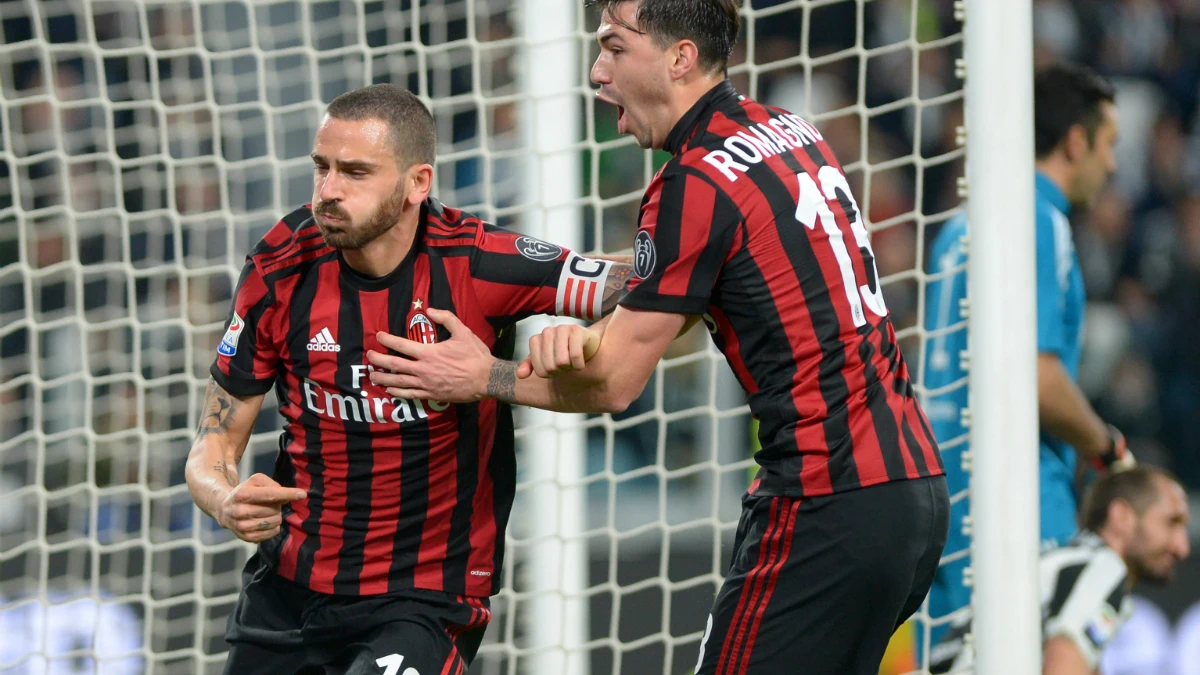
270,495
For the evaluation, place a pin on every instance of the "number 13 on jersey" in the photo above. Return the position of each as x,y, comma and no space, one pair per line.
813,205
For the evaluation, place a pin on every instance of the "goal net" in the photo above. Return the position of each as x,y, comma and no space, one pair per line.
146,146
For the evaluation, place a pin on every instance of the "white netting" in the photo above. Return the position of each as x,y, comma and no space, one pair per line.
146,146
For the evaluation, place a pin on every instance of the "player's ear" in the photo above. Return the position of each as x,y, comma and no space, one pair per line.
685,58
1076,143
420,182
1121,517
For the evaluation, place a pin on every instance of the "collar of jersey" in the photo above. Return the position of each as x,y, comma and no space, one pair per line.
1046,189
362,282
686,125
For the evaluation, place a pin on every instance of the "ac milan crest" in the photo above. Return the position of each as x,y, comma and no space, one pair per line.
420,329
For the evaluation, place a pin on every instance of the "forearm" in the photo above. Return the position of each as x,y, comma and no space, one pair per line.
211,472
569,392
617,258
611,379
226,423
1064,411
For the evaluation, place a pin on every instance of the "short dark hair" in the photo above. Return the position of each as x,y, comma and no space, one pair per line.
1137,487
410,124
712,24
1064,95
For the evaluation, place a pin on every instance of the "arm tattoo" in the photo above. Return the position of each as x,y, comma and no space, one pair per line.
502,382
219,408
616,286
223,469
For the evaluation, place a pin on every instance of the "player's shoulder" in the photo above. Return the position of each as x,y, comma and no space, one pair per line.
289,244
689,164
734,145
1086,561
1111,569
451,232
1050,221
448,229
743,118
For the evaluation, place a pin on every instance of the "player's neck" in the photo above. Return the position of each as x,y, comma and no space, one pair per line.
685,99
1055,167
382,256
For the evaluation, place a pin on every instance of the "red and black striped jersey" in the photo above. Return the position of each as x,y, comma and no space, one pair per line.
752,225
401,493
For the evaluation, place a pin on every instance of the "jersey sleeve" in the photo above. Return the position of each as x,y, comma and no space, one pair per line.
246,356
516,275
1053,267
1089,604
684,237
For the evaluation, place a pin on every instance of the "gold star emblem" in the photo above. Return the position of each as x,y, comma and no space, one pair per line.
417,303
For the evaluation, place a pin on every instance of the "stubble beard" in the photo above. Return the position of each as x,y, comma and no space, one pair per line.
355,237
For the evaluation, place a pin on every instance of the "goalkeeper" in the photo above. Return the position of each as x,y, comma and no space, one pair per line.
1075,128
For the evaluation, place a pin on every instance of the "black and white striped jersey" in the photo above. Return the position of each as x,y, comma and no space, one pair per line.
1084,598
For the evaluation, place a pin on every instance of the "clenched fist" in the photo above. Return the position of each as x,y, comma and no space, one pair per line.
253,510
559,349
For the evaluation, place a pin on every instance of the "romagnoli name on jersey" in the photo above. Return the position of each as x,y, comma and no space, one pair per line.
743,150
363,407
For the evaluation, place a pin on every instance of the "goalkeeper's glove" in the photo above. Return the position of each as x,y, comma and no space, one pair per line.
1117,457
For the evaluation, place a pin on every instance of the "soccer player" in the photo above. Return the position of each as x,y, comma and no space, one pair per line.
751,225
1075,127
381,530
1135,529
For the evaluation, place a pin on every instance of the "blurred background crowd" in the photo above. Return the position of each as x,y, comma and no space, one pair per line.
145,146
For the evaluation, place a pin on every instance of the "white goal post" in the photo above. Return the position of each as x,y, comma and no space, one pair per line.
1003,343
145,145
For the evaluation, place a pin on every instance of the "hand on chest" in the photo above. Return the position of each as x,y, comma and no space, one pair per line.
331,369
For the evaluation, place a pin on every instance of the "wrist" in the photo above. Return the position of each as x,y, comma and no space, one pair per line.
484,380
1114,450
216,504
501,381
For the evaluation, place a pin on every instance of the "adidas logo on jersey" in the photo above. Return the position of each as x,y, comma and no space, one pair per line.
323,342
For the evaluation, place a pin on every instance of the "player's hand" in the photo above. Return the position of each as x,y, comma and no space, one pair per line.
559,349
1117,457
253,510
454,371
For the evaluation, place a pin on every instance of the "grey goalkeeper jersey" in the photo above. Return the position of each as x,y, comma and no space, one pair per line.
1084,599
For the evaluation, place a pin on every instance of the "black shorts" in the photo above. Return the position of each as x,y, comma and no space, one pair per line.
818,585
281,628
